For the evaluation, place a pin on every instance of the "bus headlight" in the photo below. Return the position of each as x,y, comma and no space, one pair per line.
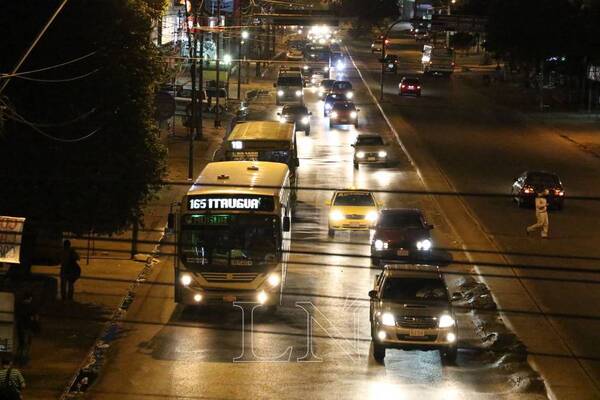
382,154
334,114
280,93
274,279
349,95
185,279
262,297
388,319
424,245
380,245
353,114
298,93
336,215
446,321
360,154
372,216
197,297
305,120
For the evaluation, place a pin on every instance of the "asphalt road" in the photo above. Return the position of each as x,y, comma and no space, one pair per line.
465,141
168,351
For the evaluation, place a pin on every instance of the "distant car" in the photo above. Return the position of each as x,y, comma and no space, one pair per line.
529,183
294,55
325,87
343,113
316,77
343,88
352,210
377,44
401,233
390,63
298,114
422,36
328,102
411,309
411,86
370,149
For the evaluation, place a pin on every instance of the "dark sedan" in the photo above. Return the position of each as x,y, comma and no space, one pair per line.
529,183
390,63
298,114
329,100
401,233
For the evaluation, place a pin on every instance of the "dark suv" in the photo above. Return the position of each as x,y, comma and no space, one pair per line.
410,309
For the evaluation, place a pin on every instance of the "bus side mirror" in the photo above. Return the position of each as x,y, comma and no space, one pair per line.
373,294
286,224
171,223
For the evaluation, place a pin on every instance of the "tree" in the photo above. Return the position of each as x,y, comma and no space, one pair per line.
368,13
79,150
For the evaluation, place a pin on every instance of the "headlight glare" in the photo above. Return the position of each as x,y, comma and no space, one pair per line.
446,321
424,245
353,114
382,154
360,154
336,215
262,297
305,120
334,114
298,93
380,245
349,95
388,319
372,216
280,93
274,279
185,279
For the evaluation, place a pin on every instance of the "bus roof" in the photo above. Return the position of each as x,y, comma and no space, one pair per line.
270,177
262,130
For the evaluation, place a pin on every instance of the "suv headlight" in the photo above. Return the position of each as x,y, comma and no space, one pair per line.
280,93
353,114
336,215
424,245
380,245
185,279
372,216
349,95
304,120
446,321
388,319
274,279
382,154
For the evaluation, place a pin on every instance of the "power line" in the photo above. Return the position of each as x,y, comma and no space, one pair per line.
58,80
33,71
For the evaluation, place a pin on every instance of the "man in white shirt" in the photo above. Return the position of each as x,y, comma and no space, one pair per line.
541,215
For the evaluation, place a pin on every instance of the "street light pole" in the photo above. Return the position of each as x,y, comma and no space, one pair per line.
243,36
383,43
218,93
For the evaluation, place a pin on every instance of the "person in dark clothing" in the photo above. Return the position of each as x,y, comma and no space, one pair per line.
69,271
27,320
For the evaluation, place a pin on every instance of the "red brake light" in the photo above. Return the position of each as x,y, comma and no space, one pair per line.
387,41
403,86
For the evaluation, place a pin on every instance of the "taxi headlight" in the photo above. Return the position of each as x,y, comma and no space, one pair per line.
372,216
388,319
305,120
353,114
349,95
185,279
424,245
382,154
274,279
334,114
446,321
298,93
380,245
336,215
280,93
360,154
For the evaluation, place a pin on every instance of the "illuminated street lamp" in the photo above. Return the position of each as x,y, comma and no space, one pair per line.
244,35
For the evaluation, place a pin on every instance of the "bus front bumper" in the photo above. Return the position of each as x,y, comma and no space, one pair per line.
192,296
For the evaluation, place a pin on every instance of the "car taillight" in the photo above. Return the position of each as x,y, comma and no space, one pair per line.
527,190
387,41
559,192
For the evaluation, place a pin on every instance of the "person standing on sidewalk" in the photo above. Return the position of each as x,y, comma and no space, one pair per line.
27,322
541,215
11,381
69,271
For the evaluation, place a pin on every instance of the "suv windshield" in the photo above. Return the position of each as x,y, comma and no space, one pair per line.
404,220
294,110
369,141
354,199
343,106
414,289
342,85
327,83
289,81
540,179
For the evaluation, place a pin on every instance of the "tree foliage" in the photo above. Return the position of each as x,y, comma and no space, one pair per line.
368,12
99,183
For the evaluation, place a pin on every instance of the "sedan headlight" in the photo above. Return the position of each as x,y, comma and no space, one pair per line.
334,114
382,154
424,245
298,93
360,154
380,245
446,321
388,319
336,215
280,93
185,279
353,114
274,279
349,95
372,216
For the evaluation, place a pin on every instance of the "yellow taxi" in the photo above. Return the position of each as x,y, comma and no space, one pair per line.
352,210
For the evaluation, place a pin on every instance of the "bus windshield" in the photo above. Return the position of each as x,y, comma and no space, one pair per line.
228,240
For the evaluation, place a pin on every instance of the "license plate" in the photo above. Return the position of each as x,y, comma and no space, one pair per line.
402,252
354,225
411,87
371,159
229,299
416,332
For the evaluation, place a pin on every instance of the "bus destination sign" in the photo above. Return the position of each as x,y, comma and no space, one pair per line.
231,202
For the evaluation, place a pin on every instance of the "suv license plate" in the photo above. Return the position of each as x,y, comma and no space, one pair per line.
371,159
416,332
402,252
229,299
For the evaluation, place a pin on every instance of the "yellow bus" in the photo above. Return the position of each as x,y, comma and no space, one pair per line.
233,234
263,141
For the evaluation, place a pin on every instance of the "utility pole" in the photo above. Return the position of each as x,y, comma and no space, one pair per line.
192,53
218,95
